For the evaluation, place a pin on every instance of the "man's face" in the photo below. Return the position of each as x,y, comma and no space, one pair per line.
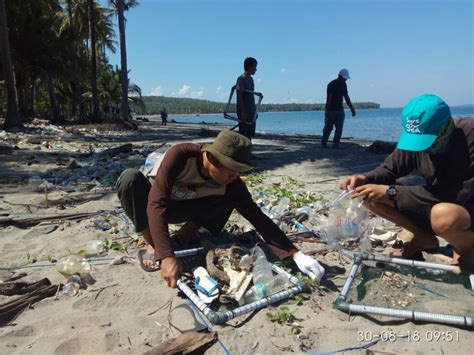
444,137
219,173
253,69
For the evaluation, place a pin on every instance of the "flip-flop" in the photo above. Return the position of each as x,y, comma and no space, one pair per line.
143,255
207,288
401,246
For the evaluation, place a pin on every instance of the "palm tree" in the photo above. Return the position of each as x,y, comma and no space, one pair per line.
13,118
96,114
121,6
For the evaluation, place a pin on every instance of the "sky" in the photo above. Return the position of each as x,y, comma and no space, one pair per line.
394,50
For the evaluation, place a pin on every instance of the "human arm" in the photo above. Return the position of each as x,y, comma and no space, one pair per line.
349,103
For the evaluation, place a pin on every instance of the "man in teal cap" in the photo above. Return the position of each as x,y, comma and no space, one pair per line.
441,150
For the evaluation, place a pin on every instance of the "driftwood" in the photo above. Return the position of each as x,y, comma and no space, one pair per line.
125,148
186,343
10,310
218,258
26,222
22,288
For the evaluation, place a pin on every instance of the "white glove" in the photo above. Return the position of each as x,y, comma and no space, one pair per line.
308,266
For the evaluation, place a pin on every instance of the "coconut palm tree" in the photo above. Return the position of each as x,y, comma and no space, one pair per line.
121,6
96,114
13,118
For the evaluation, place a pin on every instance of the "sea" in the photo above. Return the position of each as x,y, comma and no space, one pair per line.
368,124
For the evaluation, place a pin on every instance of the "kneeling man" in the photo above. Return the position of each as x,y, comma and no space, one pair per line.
441,150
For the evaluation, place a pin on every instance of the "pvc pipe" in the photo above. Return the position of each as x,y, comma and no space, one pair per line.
407,314
348,284
414,263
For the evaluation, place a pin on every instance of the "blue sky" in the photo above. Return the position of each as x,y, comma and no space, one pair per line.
394,50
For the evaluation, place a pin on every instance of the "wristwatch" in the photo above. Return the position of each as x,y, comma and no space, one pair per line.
392,192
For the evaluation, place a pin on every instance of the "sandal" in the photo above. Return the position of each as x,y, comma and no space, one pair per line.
143,255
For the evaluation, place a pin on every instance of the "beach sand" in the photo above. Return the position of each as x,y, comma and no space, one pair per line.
130,311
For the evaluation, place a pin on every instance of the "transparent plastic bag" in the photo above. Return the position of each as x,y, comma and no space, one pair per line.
152,160
347,224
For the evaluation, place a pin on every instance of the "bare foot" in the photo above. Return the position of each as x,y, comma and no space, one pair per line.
408,245
147,262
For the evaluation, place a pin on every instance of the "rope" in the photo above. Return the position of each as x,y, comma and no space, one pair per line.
209,328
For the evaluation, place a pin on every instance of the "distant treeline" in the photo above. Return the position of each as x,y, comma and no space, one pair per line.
173,105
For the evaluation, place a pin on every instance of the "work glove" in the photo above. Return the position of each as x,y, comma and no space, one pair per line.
308,266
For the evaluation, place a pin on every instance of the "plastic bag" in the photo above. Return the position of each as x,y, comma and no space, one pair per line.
347,224
153,160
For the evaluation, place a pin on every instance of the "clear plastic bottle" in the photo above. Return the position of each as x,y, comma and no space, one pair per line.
262,270
72,286
282,206
73,265
95,247
265,289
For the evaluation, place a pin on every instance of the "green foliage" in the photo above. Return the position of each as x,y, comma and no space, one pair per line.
174,105
284,316
112,245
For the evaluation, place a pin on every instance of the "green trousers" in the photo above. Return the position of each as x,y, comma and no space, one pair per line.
210,212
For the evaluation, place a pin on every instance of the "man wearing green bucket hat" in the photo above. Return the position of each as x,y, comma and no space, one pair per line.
441,150
199,185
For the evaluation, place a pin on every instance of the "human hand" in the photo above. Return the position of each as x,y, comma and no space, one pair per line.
371,192
351,182
353,112
308,265
170,270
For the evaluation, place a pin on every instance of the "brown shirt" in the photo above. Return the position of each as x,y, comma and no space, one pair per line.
178,177
449,176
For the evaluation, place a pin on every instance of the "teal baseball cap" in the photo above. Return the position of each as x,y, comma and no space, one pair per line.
422,119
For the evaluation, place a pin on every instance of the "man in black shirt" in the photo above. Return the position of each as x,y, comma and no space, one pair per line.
245,99
334,114
441,150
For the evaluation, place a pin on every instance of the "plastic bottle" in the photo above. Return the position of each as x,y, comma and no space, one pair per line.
95,247
278,210
265,289
73,265
72,286
262,270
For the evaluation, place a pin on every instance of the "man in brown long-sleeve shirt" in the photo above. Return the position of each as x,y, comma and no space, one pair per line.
198,185
441,150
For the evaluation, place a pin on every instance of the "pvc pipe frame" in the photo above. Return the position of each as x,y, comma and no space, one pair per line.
223,317
342,305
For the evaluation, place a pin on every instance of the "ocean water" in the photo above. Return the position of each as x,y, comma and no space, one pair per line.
374,124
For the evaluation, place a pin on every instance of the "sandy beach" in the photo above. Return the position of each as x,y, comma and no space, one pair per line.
129,311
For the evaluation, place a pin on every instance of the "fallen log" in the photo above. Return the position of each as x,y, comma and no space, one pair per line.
26,222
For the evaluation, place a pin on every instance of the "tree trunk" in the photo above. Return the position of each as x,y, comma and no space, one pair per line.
123,62
52,97
13,118
96,116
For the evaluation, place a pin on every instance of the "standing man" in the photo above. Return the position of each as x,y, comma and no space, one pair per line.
334,114
164,117
245,98
441,150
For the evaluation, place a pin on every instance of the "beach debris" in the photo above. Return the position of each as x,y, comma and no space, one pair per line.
7,276
186,343
95,247
22,288
72,286
10,310
72,265
232,269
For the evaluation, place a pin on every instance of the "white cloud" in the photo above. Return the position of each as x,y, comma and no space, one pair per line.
283,70
219,89
197,94
157,91
184,90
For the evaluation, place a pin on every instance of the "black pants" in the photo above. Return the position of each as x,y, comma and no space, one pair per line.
333,118
210,212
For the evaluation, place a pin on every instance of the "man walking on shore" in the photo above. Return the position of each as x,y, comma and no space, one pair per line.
334,113
245,99
441,150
